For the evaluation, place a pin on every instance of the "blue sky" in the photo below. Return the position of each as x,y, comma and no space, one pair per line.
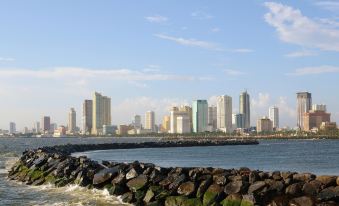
151,55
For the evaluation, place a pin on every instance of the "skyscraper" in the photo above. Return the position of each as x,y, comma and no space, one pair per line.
46,124
37,127
200,115
274,116
72,121
212,118
184,112
244,108
12,128
304,104
137,122
101,113
238,121
150,121
87,116
224,113
166,124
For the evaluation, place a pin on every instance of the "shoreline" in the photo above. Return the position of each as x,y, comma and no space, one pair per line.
147,184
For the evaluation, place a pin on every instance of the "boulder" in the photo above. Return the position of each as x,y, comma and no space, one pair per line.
182,201
294,189
220,179
149,196
256,187
187,188
203,187
128,197
302,201
232,200
303,177
248,200
276,186
329,194
286,175
174,185
212,194
119,179
236,187
311,188
117,190
131,174
105,175
327,180
137,183
253,177
337,181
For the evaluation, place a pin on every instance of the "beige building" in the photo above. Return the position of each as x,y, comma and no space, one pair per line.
314,119
264,125
182,111
224,113
123,129
87,113
166,124
101,113
150,121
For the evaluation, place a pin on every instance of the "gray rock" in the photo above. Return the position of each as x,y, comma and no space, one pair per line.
131,174
327,180
294,189
303,177
256,187
105,175
203,187
137,183
187,188
236,187
302,201
329,194
311,188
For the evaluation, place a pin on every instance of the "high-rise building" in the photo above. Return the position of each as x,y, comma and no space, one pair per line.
137,122
166,124
101,113
52,127
72,121
244,108
87,114
274,116
188,110
45,124
183,124
150,121
304,104
37,127
200,116
238,121
12,128
319,107
212,118
264,125
224,113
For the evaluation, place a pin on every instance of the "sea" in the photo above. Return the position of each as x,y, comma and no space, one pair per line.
318,156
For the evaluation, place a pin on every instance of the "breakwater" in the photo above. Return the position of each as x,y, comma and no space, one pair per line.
146,184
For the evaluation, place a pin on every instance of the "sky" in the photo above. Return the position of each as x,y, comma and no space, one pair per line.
151,55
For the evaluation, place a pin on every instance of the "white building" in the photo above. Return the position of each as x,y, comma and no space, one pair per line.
37,127
224,113
150,121
274,116
87,114
319,107
101,113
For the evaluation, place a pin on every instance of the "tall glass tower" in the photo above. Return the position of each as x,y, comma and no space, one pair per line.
200,115
244,109
304,104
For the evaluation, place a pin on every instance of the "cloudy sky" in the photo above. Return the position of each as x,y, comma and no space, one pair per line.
155,54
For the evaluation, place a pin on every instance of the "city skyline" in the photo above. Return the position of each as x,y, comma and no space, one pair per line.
159,56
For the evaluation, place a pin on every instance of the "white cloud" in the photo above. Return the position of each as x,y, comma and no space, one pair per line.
328,5
303,53
293,27
201,15
191,42
314,70
232,72
242,50
6,59
156,19
84,73
215,29
262,101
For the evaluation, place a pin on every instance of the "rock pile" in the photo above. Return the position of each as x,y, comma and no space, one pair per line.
146,184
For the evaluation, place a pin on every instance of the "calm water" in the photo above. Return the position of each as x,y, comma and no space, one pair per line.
320,157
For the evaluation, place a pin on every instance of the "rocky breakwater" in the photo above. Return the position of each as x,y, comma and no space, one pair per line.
146,184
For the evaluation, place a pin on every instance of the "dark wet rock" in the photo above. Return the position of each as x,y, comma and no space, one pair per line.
248,200
302,201
105,175
276,186
117,190
180,179
203,187
311,188
276,175
253,177
187,188
119,179
329,194
214,193
128,197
